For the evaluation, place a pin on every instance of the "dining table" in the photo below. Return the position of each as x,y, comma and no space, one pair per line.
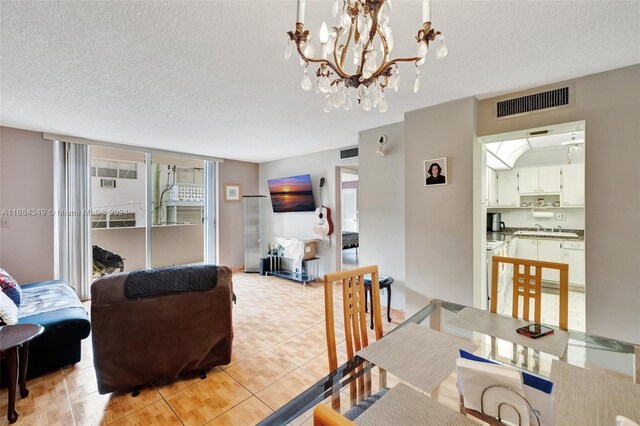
594,377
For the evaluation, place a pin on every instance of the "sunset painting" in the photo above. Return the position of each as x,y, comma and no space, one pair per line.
292,194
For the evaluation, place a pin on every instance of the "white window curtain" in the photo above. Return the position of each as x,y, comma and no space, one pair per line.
72,224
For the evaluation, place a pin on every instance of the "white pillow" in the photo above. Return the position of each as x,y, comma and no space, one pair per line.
8,310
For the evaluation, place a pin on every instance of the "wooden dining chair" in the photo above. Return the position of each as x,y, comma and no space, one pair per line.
355,325
325,416
527,283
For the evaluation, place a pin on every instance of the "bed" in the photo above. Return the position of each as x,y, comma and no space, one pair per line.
350,240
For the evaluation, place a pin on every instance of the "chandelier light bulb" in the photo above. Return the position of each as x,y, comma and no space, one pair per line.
324,33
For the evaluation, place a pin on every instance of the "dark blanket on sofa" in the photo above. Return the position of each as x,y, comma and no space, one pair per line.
151,282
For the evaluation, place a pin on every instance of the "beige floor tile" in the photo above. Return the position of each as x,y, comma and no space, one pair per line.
284,390
157,413
247,413
168,387
95,409
300,349
206,400
80,382
47,403
260,371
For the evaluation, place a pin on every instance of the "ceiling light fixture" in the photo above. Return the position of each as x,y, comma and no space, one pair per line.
573,140
361,22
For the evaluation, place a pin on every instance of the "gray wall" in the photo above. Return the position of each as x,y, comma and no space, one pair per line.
300,225
609,103
439,220
381,205
230,213
26,171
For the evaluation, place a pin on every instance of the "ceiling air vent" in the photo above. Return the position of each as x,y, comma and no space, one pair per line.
348,153
560,97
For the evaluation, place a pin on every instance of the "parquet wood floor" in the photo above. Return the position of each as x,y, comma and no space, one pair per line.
279,350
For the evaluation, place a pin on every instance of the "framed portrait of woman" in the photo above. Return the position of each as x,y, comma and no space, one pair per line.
435,172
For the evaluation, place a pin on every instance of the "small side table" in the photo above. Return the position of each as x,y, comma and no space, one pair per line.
385,282
14,346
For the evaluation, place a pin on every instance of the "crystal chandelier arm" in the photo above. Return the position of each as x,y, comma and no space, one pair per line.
320,61
346,46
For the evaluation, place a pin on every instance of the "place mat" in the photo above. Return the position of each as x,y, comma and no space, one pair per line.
403,405
592,397
504,327
417,355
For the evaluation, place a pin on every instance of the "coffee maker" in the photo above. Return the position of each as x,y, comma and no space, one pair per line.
493,222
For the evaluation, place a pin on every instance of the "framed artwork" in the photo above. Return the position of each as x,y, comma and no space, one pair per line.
435,172
231,192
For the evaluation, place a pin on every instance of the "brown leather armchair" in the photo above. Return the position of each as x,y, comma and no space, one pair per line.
137,341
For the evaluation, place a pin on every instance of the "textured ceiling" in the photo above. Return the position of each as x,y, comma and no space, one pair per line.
209,77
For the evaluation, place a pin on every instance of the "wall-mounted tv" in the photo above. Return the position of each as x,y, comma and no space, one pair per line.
292,194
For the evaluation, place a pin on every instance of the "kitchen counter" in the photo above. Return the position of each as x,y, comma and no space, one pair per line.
497,239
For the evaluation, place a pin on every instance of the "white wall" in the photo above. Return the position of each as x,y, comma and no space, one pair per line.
27,183
609,103
382,206
129,195
439,220
300,225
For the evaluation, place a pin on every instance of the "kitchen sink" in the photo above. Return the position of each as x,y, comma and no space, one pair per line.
547,234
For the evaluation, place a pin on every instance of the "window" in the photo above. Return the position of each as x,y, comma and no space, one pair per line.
114,169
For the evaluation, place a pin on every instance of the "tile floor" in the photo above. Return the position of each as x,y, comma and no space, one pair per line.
279,350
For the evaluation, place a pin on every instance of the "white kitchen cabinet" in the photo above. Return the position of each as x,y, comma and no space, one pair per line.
508,188
573,255
573,185
550,251
492,187
528,180
539,180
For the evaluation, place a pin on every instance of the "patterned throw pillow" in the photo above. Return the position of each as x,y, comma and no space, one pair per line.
10,287
8,310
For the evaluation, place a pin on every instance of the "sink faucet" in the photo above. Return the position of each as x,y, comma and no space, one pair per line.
559,228
538,227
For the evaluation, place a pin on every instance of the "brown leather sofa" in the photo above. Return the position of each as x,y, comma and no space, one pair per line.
137,341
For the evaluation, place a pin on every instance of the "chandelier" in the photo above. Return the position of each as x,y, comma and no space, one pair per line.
361,24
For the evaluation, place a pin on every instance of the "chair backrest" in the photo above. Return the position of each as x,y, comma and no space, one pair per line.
355,320
527,283
325,416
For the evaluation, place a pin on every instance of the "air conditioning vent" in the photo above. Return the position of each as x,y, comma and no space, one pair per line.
348,153
107,183
535,102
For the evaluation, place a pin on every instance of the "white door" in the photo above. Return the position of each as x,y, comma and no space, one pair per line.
492,187
508,188
350,210
550,251
573,185
549,179
528,180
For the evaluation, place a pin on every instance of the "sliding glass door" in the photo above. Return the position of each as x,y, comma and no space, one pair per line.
151,210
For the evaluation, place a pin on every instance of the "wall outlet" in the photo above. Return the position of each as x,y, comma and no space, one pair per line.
561,216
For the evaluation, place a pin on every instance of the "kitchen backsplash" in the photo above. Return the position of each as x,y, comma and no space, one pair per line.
523,218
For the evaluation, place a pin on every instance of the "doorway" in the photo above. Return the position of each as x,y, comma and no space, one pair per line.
349,218
533,183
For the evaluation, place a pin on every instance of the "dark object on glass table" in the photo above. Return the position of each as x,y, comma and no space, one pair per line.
106,262
534,331
385,282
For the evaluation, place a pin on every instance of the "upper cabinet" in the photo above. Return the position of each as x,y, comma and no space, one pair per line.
573,185
508,188
540,180
492,187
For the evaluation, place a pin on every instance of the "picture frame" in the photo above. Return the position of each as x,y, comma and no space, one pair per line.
231,192
439,176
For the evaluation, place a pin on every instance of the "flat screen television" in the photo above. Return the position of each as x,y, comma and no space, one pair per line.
292,194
